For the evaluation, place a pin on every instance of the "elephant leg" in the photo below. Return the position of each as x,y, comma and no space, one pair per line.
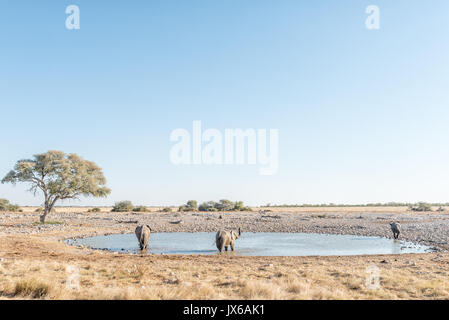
232,245
226,248
220,244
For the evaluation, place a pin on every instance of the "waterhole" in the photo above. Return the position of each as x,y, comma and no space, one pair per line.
255,244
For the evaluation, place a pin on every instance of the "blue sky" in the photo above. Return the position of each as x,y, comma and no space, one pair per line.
363,115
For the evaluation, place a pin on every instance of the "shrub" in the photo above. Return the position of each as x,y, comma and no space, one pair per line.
207,206
223,205
6,206
14,208
422,206
3,204
94,210
123,206
167,209
239,206
31,288
190,206
140,209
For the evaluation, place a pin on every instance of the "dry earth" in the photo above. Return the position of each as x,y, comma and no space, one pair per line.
36,263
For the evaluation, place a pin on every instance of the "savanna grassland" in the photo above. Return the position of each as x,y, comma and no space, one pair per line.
37,264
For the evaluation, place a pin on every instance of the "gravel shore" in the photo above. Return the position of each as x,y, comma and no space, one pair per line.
430,229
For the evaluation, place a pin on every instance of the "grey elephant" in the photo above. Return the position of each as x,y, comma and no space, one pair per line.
143,234
223,239
396,229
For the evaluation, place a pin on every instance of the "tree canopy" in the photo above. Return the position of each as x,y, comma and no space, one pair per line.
59,176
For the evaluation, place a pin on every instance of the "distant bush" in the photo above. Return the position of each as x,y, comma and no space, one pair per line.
3,204
14,208
190,206
6,206
140,209
238,206
422,206
123,206
167,209
94,210
223,205
207,206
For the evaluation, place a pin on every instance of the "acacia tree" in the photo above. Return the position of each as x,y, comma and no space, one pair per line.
59,176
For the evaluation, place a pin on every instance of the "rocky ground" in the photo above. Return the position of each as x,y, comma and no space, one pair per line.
35,263
430,229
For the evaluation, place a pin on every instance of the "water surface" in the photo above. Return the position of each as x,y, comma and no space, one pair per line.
255,244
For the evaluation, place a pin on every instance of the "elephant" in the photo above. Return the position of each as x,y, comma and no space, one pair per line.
223,239
142,234
396,229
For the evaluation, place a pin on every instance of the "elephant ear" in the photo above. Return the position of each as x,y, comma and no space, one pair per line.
149,228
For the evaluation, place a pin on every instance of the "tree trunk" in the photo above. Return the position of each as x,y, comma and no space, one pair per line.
44,215
47,209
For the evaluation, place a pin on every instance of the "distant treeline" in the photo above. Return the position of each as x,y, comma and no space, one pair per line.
222,205
388,204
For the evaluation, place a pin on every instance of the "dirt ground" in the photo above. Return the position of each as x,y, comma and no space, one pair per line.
36,264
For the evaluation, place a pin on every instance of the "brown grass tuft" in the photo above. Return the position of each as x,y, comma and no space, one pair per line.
31,288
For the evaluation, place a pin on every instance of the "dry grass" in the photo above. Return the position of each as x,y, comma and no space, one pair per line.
41,267
31,288
115,276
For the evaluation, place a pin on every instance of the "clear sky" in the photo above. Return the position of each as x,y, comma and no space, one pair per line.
363,115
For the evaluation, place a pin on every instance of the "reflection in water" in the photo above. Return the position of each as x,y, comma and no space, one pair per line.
255,244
